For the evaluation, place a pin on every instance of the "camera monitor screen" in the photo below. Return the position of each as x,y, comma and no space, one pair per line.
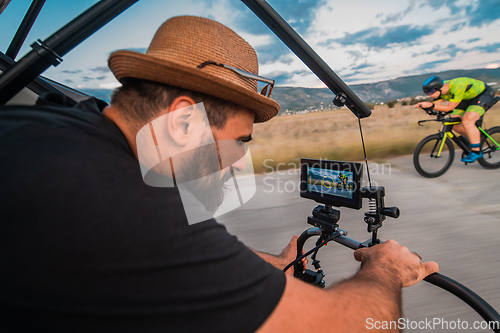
333,183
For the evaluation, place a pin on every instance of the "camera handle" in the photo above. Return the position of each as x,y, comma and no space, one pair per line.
325,219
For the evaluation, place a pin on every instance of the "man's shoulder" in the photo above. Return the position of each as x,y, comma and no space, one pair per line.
64,159
463,81
457,81
457,87
60,124
24,117
466,88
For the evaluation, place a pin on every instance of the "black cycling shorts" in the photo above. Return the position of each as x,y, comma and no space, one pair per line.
484,100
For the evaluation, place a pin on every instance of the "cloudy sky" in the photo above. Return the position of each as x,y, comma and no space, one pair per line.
362,40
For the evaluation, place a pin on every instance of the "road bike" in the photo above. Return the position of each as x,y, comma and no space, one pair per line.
343,184
435,153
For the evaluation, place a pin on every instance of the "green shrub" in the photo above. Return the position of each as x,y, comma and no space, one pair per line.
404,103
391,103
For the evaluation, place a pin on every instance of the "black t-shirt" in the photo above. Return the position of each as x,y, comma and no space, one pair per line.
86,246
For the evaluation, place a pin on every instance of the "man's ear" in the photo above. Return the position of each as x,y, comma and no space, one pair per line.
180,119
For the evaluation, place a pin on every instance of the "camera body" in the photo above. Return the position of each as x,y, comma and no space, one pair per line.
333,183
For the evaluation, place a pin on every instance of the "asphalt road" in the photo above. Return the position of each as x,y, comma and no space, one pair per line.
453,220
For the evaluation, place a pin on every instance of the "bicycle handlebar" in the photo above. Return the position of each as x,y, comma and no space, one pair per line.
439,115
486,311
431,111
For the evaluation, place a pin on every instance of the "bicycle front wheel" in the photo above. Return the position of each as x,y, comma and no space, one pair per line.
426,159
491,149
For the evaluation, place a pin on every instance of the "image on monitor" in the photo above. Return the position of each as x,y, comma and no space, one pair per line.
330,182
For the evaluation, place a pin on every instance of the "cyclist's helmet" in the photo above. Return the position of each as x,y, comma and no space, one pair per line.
432,84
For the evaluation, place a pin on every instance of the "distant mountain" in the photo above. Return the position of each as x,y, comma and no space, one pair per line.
298,99
408,86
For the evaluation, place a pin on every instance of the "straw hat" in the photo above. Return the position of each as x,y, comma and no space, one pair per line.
184,42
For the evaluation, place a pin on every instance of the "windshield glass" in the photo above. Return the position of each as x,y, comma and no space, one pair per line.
386,40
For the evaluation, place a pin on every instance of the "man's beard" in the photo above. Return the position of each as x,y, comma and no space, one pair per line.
200,176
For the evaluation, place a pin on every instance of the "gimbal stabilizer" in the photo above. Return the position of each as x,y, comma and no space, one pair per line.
324,219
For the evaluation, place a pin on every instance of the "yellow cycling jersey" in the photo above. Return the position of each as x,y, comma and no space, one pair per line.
463,88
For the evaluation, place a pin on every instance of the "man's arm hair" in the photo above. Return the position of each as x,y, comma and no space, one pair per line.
285,257
373,293
274,260
344,307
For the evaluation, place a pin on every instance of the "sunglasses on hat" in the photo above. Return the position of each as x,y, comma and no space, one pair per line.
266,90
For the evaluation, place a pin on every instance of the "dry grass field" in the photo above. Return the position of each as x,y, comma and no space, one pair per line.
335,135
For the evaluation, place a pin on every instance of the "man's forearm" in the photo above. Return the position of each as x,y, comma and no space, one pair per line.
354,305
366,295
274,260
444,106
375,288
349,306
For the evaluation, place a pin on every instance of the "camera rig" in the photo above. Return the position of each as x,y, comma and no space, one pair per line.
318,183
325,221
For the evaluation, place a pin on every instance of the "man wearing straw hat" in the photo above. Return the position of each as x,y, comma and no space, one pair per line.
98,248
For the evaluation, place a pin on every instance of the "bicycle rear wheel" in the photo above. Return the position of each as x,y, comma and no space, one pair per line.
491,151
425,158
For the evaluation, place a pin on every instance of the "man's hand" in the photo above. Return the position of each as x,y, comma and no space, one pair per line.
374,292
423,105
395,261
289,254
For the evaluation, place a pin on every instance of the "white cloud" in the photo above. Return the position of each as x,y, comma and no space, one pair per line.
335,20
256,40
109,85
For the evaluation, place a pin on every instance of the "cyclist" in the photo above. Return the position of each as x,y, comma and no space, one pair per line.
87,246
343,179
467,98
